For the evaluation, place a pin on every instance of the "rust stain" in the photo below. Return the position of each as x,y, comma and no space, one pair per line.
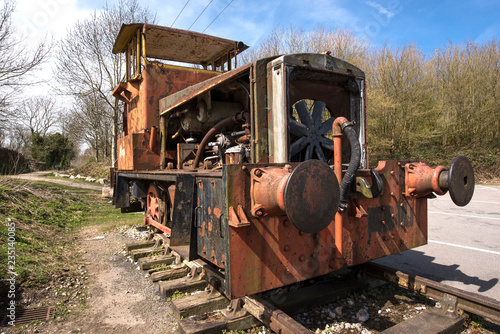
202,230
210,226
209,209
214,259
217,212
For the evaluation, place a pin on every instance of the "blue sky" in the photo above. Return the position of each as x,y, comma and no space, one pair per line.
428,23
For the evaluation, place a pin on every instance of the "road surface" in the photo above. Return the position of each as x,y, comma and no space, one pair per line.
464,244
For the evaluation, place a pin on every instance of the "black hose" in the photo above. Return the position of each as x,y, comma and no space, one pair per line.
349,131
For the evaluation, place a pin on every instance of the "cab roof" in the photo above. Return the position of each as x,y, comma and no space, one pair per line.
176,44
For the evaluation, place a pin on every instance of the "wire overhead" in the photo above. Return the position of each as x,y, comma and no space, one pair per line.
200,14
222,11
179,14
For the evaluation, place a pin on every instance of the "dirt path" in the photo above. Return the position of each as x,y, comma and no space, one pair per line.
38,176
119,299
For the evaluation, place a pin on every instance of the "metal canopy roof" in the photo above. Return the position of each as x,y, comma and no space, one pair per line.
177,45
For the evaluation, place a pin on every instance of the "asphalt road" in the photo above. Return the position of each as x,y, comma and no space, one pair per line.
464,244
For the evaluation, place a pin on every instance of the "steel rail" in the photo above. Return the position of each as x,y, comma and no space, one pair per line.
485,307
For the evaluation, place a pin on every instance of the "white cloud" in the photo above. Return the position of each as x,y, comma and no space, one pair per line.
47,17
493,31
381,9
327,12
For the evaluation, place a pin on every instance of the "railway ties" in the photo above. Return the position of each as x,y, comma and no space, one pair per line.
193,290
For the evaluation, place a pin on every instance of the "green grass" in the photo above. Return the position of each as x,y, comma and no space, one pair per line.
46,218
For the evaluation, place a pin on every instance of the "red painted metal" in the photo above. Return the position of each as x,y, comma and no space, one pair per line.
155,209
421,180
337,161
251,219
276,253
268,189
138,149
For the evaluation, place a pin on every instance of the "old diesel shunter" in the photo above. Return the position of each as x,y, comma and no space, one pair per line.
262,170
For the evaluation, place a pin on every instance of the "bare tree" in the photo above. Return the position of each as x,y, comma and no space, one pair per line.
38,114
16,60
86,123
341,43
86,66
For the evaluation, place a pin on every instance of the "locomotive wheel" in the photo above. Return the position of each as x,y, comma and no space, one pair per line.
307,134
155,209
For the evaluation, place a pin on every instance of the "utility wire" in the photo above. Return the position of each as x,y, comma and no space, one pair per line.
179,13
222,11
200,14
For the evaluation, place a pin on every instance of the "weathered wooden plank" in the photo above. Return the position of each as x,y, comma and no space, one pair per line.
139,244
431,322
136,254
184,285
215,323
146,263
169,274
198,304
272,317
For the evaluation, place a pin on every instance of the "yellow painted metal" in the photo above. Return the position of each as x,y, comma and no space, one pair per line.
198,70
138,54
144,58
127,64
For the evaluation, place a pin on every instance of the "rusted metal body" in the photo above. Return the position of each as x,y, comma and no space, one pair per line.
262,170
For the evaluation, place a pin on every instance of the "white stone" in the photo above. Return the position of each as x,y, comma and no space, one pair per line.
362,315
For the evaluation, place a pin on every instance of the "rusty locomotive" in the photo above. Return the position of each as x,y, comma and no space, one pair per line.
262,170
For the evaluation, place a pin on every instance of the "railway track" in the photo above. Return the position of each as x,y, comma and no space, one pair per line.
195,291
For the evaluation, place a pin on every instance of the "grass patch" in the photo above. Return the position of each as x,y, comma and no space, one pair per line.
46,216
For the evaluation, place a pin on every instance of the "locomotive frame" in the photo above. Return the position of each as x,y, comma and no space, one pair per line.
249,167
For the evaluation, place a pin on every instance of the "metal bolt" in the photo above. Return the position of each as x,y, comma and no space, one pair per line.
243,167
401,204
259,212
302,258
401,224
316,236
392,172
393,194
258,173
392,215
286,248
383,222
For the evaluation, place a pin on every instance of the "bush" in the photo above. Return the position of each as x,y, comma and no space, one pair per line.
55,150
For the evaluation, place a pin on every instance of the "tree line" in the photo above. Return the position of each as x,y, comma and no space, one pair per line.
423,106
420,106
85,74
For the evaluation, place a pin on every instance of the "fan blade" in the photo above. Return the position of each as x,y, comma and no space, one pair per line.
326,143
303,112
309,152
326,126
296,128
319,153
318,112
298,146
